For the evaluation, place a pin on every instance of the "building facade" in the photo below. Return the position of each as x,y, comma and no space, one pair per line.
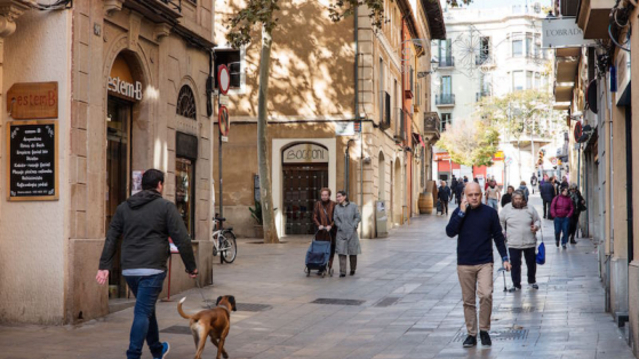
342,114
489,52
127,80
594,84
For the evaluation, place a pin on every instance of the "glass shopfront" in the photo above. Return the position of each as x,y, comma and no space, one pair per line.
186,156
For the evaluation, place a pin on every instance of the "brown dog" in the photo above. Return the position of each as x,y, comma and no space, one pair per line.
214,323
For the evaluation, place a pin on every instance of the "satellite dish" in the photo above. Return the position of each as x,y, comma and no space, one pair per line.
591,96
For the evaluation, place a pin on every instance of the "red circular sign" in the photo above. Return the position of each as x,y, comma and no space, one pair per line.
223,120
223,79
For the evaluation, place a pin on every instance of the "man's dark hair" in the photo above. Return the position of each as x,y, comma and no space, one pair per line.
151,178
343,193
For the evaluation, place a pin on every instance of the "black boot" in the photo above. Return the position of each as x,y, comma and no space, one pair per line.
485,338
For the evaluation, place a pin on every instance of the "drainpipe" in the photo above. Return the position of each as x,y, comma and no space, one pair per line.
361,126
347,166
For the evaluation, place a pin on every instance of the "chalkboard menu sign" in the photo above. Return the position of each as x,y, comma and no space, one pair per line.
32,166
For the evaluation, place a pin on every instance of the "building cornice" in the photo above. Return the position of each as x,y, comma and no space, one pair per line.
10,10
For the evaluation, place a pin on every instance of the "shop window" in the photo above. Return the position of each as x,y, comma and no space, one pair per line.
186,155
186,103
232,58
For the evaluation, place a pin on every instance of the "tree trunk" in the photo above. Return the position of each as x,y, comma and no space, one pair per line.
268,213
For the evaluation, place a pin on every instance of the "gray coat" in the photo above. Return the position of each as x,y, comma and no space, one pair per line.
347,219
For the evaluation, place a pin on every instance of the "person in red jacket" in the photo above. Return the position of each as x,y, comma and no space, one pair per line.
562,209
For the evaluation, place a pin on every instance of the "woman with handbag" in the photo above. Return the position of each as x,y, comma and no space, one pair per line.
580,205
521,223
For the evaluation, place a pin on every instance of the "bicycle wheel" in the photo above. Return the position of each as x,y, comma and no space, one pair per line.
228,247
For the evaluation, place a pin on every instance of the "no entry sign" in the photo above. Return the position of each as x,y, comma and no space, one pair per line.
223,120
223,79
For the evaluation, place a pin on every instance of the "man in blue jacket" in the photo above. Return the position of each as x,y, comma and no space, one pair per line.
476,226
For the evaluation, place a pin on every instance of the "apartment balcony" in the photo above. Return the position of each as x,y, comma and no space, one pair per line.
593,18
445,62
432,124
480,95
445,100
158,11
484,60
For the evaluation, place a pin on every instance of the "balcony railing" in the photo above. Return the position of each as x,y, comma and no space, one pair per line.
447,62
483,60
445,99
482,94
175,4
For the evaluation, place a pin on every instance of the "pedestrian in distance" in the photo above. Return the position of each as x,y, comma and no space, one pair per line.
453,187
521,223
547,192
562,209
533,182
564,182
579,204
444,196
459,191
146,221
493,194
476,227
323,219
507,197
347,219
522,187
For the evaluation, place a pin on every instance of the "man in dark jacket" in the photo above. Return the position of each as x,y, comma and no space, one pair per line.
444,196
459,191
547,191
476,226
146,221
453,187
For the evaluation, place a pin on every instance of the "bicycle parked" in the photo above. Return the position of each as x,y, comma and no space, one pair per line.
224,241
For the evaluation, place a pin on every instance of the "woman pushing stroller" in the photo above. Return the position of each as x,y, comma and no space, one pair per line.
323,219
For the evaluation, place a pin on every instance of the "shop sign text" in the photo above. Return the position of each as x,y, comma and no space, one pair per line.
32,100
306,153
126,89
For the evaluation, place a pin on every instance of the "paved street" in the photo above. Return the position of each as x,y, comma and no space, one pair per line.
404,302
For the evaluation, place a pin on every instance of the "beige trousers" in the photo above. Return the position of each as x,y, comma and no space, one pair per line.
477,279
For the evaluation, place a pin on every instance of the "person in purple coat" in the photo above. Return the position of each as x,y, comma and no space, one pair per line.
562,209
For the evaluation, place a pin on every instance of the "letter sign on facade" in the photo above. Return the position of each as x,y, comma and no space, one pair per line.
305,153
33,100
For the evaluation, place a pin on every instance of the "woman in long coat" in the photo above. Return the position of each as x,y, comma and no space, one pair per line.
347,219
323,219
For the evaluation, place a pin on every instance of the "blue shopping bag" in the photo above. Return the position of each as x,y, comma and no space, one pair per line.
541,253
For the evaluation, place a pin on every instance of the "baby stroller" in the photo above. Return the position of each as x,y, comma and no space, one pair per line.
317,257
440,207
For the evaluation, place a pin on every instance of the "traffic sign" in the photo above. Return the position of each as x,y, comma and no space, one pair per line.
224,100
554,161
223,79
223,120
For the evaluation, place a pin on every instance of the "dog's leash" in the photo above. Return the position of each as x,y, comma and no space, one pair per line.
206,302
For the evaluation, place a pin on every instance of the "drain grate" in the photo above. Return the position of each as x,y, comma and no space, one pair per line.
337,301
252,307
524,309
387,302
510,334
177,329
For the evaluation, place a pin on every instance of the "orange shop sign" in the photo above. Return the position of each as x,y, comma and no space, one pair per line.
33,100
442,156
499,156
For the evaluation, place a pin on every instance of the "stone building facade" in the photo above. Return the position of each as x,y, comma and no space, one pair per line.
132,95
336,114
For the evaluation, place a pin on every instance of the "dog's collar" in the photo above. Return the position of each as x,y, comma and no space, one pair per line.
225,308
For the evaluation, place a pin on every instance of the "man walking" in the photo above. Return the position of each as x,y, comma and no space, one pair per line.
444,196
547,192
476,226
146,221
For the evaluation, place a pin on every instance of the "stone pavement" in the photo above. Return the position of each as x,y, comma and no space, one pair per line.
405,302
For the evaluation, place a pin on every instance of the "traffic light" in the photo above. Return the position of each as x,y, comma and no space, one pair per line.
541,158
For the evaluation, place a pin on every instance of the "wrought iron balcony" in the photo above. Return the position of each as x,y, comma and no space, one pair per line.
447,62
445,100
480,95
432,125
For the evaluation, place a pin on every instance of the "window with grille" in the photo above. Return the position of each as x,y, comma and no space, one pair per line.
186,103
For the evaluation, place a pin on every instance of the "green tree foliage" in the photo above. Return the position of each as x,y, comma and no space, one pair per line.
470,142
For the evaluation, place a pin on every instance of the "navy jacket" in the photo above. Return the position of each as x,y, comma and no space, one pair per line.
444,193
547,191
476,231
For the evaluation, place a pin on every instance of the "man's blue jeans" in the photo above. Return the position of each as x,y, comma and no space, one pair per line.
562,224
493,203
145,326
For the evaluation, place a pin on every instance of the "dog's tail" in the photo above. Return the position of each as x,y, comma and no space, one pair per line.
182,314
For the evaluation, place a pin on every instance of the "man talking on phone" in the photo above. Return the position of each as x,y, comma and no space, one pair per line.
476,226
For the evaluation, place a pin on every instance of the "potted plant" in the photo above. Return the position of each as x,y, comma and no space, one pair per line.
256,213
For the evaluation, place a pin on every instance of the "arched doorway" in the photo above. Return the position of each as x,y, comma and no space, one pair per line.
124,91
397,193
304,173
